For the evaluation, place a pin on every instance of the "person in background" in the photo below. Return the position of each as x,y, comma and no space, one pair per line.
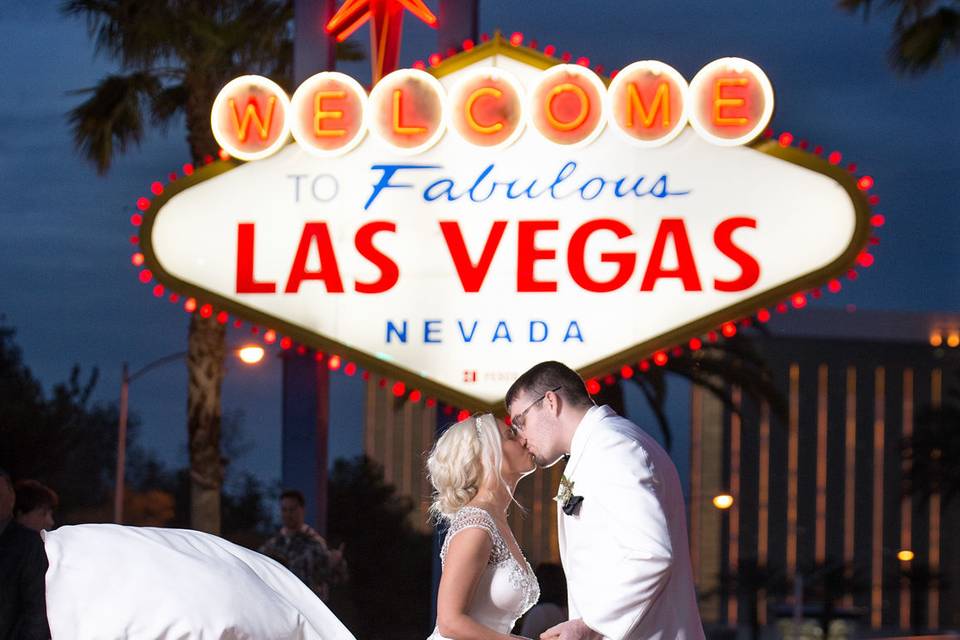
551,609
303,551
35,504
23,565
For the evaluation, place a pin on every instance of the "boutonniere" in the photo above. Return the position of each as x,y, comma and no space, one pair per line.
569,502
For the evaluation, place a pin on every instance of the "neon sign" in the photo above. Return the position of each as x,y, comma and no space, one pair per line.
450,229
729,103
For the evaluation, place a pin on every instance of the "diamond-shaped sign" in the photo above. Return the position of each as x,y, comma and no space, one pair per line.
458,267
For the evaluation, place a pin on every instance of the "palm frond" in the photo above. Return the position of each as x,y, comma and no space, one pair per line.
137,34
350,51
927,41
112,117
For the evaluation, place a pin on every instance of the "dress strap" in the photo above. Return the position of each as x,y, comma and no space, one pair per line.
476,518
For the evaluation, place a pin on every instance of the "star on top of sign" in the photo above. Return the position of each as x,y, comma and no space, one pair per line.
386,28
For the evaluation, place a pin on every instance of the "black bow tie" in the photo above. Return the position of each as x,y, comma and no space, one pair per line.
572,505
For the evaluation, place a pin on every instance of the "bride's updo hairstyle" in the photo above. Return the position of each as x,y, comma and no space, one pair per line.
465,458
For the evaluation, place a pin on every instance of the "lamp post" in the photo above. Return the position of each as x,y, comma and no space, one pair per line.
248,354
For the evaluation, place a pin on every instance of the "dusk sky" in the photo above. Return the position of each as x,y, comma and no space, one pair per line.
70,291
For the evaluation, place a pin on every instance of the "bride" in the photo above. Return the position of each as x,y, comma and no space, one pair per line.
486,584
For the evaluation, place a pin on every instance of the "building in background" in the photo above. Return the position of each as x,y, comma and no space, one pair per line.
820,493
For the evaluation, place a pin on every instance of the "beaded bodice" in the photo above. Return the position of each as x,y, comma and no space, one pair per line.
508,586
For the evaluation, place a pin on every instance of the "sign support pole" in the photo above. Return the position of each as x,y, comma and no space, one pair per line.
306,382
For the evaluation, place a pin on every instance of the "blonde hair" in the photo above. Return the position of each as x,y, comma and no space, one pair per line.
466,457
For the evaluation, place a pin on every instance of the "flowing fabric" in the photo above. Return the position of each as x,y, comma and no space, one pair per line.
110,581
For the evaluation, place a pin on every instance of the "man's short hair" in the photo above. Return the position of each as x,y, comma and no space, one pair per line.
550,375
34,495
294,495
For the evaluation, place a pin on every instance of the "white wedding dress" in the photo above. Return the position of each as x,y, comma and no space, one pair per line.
508,586
109,581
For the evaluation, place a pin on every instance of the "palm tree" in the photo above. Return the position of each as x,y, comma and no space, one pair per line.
718,367
925,32
174,56
932,452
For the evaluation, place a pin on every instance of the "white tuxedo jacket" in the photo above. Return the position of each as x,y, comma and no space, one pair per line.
625,552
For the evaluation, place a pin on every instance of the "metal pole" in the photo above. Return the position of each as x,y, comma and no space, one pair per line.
121,446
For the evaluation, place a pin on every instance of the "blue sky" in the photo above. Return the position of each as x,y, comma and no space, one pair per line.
69,289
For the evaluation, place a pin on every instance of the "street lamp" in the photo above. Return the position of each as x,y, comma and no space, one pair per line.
723,501
248,354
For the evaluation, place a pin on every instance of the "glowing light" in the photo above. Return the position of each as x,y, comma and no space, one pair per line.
583,61
877,220
143,204
223,154
350,369
387,117
516,38
722,93
953,340
660,358
137,259
648,89
763,315
835,157
206,311
156,188
728,329
434,59
327,114
415,396
334,362
223,317
399,389
273,125
468,44
549,50
626,371
865,260
285,343
146,276
834,286
644,365
158,291
723,501
799,301
865,183
420,64
936,339
905,555
270,336
251,353
190,305
696,344
188,169
593,386
786,139
463,415
431,402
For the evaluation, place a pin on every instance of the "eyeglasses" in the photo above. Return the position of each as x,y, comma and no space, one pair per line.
519,420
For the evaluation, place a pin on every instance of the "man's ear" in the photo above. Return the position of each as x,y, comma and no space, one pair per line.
554,402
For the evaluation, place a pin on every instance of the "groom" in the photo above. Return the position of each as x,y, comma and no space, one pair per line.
622,525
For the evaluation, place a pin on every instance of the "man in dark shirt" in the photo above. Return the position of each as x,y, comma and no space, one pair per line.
303,551
23,566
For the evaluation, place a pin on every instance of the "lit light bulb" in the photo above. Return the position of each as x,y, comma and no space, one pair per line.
723,501
250,354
